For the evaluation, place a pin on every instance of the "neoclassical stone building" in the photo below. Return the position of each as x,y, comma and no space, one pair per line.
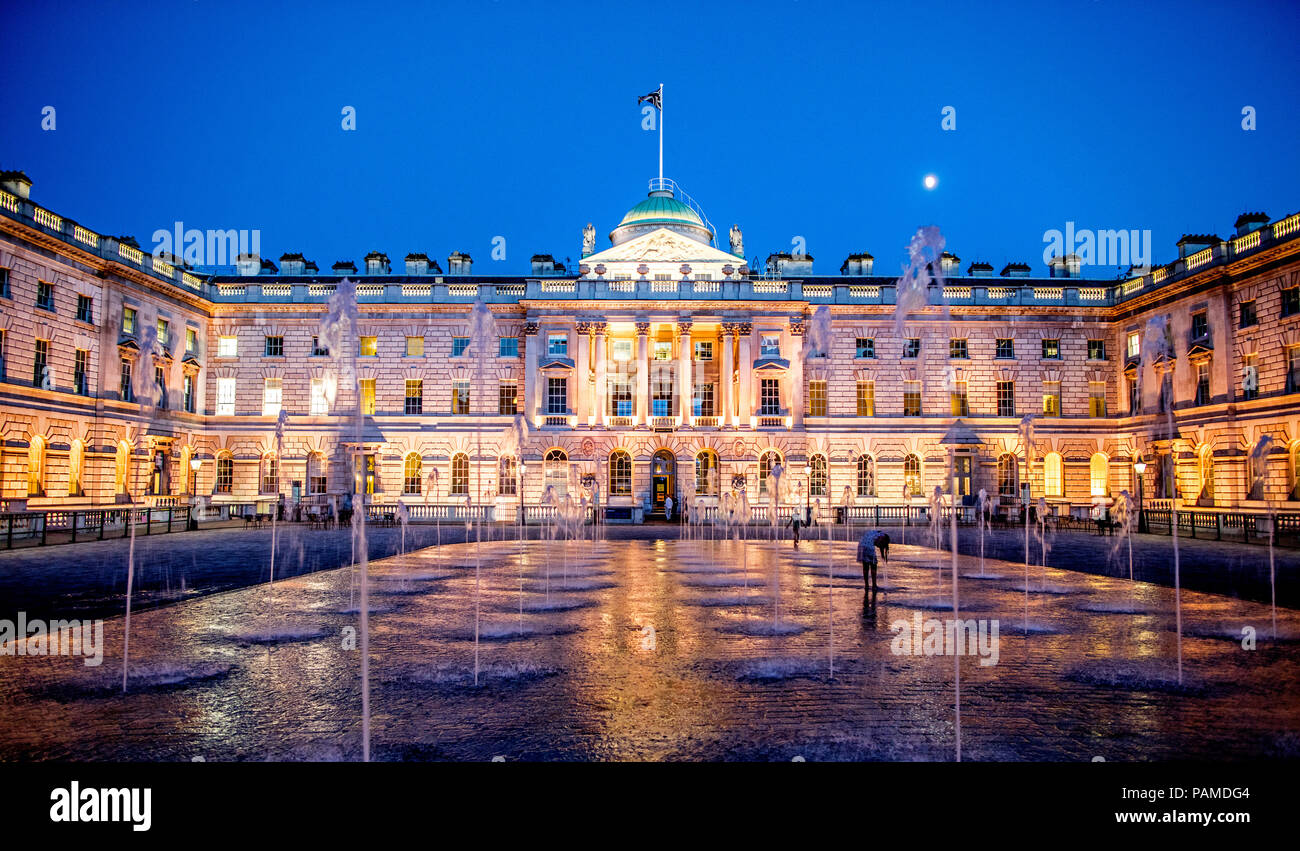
662,357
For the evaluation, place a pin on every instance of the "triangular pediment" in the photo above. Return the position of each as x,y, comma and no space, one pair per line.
662,246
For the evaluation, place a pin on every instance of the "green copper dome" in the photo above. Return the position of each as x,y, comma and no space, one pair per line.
661,209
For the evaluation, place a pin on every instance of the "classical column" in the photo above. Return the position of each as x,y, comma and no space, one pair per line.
601,340
642,374
727,418
796,388
746,391
530,372
684,370
582,374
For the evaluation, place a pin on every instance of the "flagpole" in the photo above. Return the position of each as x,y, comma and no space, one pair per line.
661,135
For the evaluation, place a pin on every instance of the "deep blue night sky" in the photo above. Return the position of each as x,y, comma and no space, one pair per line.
811,119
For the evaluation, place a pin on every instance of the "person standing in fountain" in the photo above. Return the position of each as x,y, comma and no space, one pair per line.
870,542
795,522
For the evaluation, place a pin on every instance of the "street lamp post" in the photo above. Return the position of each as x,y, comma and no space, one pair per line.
1140,467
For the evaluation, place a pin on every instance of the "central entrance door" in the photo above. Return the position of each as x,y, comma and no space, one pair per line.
663,482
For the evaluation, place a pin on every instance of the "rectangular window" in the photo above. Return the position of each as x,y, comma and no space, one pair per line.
1200,325
187,384
1052,349
460,396
39,364
3,338
1006,348
415,347
274,347
160,379
272,393
4,283
81,373
128,320
959,402
622,350
320,403
85,309
164,333
270,475
367,387
1006,398
661,399
1202,384
1293,369
1290,301
459,346
557,345
45,296
865,347
317,350
911,398
508,398
702,402
866,398
225,397
1249,378
368,347
124,386
912,347
1051,398
704,350
770,346
816,398
620,398
1248,317
557,396
1096,350
1133,348
957,349
414,395
191,340
227,347
508,347
663,350
769,397
1096,398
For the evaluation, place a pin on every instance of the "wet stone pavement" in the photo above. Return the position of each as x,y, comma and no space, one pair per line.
669,650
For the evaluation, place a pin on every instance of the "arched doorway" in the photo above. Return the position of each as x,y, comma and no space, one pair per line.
663,483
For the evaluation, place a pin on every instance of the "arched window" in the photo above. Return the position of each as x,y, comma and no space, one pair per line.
555,466
866,476
270,473
912,476
508,475
36,467
459,474
121,467
766,462
76,463
412,474
316,477
1206,465
817,477
225,473
706,462
620,473
1053,475
1099,474
1293,468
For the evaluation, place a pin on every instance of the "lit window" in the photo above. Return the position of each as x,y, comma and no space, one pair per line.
1052,349
911,398
227,347
622,350
866,398
1051,398
706,472
191,340
1096,350
187,385
1053,475
1096,398
368,347
272,392
620,474
704,350
817,478
320,403
866,478
164,333
816,398
509,476
460,396
663,350
128,320
958,400
414,396
1134,344
367,387
225,474
766,462
1099,474
225,397
508,398
270,474
412,474
415,347
912,476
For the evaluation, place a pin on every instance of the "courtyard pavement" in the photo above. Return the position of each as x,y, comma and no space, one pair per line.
670,650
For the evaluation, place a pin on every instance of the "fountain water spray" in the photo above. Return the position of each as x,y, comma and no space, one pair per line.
1027,440
774,501
981,503
1259,476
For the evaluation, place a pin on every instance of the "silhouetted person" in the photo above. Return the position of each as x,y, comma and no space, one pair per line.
870,542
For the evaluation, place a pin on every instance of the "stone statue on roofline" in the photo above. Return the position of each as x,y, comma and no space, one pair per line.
737,241
588,240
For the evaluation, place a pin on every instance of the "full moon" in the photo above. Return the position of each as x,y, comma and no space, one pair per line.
931,181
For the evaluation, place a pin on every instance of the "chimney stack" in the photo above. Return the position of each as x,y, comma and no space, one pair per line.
377,263
459,263
858,264
17,183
